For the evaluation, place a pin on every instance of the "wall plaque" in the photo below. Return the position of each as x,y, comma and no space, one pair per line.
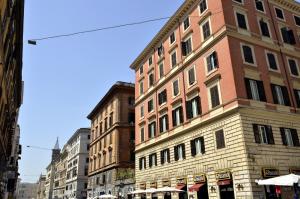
270,172
223,175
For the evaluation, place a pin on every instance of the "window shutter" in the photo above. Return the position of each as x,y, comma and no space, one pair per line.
209,63
189,109
297,98
149,131
270,134
183,151
162,157
291,37
285,35
155,159
150,161
256,133
274,94
175,153
261,91
220,139
183,48
198,105
174,118
215,56
202,145
295,137
159,99
168,155
193,148
154,128
161,124
181,114
286,97
283,137
140,164
149,106
248,88
165,95
167,122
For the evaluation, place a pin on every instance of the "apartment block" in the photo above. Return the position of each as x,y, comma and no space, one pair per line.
60,174
217,100
111,158
41,194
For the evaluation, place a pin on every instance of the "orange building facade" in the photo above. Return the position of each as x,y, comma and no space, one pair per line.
217,99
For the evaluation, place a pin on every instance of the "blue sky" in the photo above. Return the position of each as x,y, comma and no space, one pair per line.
66,77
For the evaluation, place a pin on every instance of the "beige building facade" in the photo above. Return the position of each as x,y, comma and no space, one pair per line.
60,175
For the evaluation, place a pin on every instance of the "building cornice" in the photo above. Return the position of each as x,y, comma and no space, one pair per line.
290,5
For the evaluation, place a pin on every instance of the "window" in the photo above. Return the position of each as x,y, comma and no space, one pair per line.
263,134
297,96
202,6
179,152
212,62
191,76
175,88
259,5
205,30
241,20
142,163
87,160
214,96
172,38
288,36
289,137
197,146
186,46
152,130
142,111
264,28
131,118
105,124
150,105
280,95
293,67
132,136
248,54
162,97
160,50
186,23
173,59
163,123
152,160
255,90
141,70
177,116
193,107
151,79
161,69
111,120
141,87
150,61
279,13
220,139
165,156
272,61
297,20
142,134
110,156
131,101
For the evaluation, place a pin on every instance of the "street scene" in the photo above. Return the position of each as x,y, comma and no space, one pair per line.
181,99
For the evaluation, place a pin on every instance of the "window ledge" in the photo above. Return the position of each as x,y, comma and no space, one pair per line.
172,47
212,78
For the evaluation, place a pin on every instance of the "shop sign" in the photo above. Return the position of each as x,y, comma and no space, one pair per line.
166,183
295,171
270,172
153,185
199,178
142,185
181,181
223,175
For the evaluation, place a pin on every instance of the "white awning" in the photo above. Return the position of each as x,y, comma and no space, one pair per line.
139,191
168,189
285,180
151,190
107,196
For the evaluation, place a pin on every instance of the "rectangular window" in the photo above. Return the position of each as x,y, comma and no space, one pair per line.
179,152
263,134
212,62
248,54
255,90
289,137
161,70
214,96
220,139
160,50
152,160
259,5
165,156
142,163
141,87
142,111
241,20
173,59
193,107
177,116
297,20
131,118
197,146
150,61
280,95
142,134
152,130
272,61
172,38
151,79
150,105
162,97
175,88
293,67
279,13
141,70
206,30
191,76
264,28
288,36
202,6
186,23
186,47
163,123
297,96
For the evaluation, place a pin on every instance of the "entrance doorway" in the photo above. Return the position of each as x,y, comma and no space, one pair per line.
226,191
167,195
202,193
183,194
270,191
143,196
